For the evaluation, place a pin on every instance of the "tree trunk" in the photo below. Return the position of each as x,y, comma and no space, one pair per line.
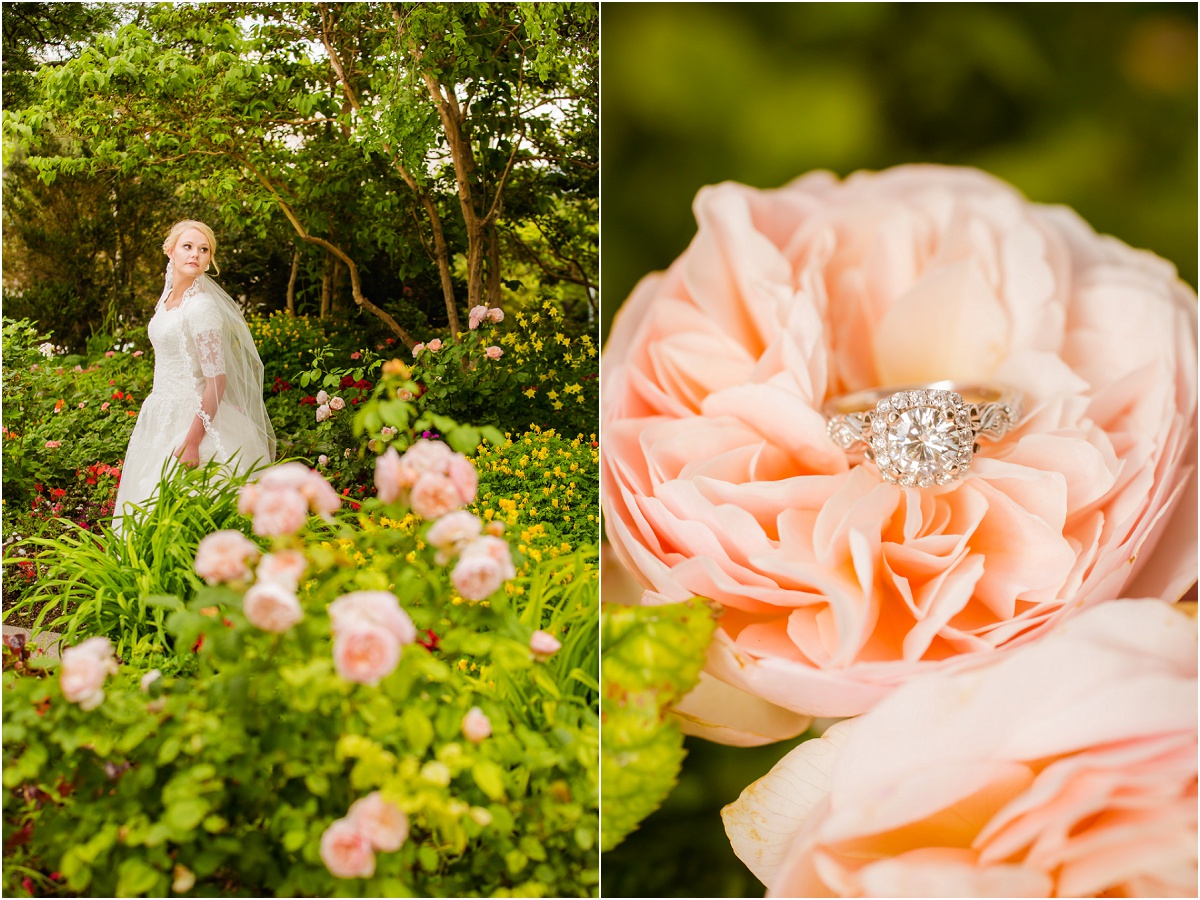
493,266
327,286
291,289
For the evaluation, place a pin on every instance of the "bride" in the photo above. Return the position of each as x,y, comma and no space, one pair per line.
207,400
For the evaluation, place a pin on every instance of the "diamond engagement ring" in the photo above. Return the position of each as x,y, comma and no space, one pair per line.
922,435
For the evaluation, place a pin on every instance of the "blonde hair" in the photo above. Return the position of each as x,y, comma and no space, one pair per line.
180,227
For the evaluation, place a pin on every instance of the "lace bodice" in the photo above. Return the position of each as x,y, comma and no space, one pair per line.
188,345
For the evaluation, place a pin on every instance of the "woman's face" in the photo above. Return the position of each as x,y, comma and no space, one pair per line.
191,254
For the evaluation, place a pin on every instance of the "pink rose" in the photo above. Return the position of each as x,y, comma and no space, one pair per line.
435,345
424,456
84,668
493,352
719,479
346,851
476,726
365,653
322,398
53,445
482,567
247,498
478,315
356,355
322,460
453,529
283,567
225,556
417,348
322,413
435,495
388,475
104,405
544,645
496,314
279,512
383,824
1064,768
404,394
379,609
337,403
466,479
271,607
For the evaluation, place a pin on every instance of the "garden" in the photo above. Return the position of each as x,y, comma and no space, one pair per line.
370,666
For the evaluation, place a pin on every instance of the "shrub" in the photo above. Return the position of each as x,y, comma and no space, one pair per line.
228,780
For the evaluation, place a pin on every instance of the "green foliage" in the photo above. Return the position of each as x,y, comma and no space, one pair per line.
543,487
92,581
547,376
652,657
232,775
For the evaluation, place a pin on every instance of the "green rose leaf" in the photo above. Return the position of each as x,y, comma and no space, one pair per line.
652,657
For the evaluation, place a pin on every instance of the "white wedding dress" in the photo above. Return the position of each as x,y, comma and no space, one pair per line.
201,343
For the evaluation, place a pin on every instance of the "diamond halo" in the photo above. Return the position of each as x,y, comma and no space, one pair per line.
920,438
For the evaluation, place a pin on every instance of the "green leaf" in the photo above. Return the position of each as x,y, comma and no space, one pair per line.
490,779
135,878
652,657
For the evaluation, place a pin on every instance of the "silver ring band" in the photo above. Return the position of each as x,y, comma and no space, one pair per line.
923,434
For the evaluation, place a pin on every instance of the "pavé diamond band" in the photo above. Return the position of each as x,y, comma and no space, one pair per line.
922,435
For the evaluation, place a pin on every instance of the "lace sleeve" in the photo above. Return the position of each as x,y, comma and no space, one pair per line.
204,323
211,351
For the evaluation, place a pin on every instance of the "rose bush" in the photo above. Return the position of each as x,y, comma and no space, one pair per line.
1066,768
346,716
720,480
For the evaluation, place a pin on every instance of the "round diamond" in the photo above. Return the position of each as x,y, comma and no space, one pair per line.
924,443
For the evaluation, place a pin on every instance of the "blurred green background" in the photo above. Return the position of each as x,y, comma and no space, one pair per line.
1090,105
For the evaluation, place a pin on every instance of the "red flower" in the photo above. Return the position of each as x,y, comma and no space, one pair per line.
390,341
57,492
117,395
363,385
199,643
308,401
347,381
431,642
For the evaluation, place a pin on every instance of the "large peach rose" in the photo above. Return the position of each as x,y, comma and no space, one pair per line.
1066,768
721,481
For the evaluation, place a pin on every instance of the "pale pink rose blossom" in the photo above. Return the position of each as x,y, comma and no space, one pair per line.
388,475
183,879
484,564
453,529
466,479
384,824
476,726
434,495
380,609
365,653
1064,768
494,548
322,398
337,403
496,314
225,556
279,512
493,352
322,460
405,394
83,670
283,567
271,607
148,679
435,345
424,456
322,413
346,851
544,645
417,348
247,498
719,479
53,445
478,315
290,475
322,498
